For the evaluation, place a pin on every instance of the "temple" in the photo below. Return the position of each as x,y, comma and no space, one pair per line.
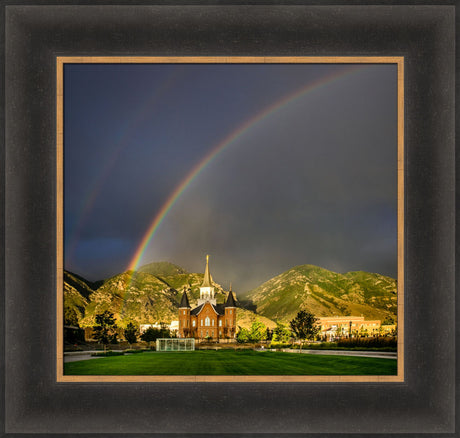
208,321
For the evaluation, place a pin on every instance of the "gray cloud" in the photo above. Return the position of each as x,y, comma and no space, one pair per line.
313,183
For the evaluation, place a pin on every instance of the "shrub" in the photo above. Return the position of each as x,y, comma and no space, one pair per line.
109,353
373,342
275,344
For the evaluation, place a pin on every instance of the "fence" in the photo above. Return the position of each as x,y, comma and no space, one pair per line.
175,344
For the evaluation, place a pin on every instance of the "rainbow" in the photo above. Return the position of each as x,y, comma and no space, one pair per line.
207,159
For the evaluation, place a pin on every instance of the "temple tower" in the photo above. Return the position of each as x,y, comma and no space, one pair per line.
230,315
184,316
207,289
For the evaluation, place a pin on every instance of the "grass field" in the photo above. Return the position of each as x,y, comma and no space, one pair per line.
230,362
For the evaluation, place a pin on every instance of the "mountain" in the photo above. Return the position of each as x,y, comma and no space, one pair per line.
153,293
84,287
138,297
162,269
144,298
325,293
245,317
76,293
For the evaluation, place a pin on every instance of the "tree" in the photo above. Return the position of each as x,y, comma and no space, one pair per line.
131,333
304,326
242,335
389,320
281,333
269,334
152,334
164,330
258,331
105,331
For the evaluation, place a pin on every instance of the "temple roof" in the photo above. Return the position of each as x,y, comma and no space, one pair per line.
219,308
230,300
207,282
184,301
196,310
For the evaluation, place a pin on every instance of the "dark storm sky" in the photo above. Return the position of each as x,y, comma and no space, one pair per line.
313,183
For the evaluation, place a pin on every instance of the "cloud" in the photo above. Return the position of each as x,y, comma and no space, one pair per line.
313,183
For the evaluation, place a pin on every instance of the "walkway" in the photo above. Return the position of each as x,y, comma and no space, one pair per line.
73,356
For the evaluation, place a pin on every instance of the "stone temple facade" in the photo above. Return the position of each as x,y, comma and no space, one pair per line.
209,320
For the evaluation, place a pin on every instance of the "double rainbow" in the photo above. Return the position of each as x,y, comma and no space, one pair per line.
221,146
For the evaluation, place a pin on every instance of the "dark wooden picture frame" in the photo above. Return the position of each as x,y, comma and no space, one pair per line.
35,35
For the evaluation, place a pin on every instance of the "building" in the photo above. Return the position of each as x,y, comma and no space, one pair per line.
173,327
209,320
333,327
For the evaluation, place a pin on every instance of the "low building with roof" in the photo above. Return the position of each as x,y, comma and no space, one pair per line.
209,320
332,327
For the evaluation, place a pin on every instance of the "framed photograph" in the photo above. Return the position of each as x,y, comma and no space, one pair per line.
334,154
245,211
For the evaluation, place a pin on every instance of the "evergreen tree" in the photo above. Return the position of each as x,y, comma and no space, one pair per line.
105,331
152,334
131,333
304,326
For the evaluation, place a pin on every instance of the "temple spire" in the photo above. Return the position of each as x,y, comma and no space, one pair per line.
207,276
184,303
230,299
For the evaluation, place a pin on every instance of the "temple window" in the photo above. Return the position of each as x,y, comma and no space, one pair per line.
207,321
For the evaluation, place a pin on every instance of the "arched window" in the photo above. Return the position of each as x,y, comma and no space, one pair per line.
220,323
213,323
193,323
207,321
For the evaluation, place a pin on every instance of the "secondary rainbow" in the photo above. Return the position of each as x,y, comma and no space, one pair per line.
90,198
243,128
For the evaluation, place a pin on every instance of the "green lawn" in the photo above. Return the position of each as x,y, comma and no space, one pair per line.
231,362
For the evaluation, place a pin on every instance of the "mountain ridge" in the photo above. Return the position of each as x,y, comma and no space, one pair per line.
142,297
325,293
